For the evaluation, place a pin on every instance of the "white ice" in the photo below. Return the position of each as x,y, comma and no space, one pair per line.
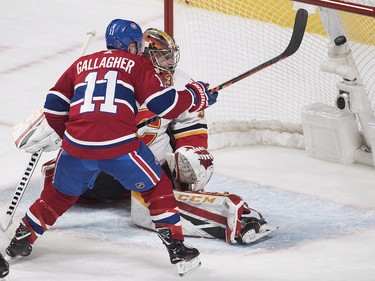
325,211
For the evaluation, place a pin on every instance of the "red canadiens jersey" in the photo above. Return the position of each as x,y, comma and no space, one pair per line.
94,103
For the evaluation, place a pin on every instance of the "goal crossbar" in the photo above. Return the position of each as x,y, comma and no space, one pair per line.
342,6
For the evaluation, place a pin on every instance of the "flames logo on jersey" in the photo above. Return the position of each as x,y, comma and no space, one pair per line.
146,136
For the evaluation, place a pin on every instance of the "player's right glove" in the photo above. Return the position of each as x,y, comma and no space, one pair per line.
202,97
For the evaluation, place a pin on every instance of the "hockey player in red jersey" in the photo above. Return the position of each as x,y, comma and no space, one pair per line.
93,108
181,145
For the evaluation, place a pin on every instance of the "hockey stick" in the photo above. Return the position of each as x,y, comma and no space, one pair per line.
294,44
90,34
12,206
8,216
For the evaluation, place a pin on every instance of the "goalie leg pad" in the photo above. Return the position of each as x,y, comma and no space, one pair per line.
210,212
210,215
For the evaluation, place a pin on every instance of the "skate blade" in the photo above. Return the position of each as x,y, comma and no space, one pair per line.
251,238
6,278
185,267
7,258
12,260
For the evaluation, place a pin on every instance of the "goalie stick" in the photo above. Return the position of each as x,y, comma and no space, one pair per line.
7,219
9,214
294,44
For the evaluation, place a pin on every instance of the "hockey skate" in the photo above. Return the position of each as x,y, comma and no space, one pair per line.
254,229
184,257
4,267
19,246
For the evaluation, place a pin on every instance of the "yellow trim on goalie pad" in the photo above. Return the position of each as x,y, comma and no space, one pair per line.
137,196
194,197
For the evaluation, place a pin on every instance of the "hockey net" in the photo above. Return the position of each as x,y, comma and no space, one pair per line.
221,39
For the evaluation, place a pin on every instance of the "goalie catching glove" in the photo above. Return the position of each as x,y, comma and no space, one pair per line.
191,165
202,97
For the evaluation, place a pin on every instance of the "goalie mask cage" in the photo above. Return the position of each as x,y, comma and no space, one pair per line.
221,39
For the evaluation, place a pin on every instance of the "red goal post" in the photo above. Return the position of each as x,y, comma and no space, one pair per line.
220,39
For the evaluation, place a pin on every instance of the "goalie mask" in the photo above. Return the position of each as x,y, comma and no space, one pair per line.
161,49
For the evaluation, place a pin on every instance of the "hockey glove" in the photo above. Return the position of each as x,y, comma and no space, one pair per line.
202,97
192,165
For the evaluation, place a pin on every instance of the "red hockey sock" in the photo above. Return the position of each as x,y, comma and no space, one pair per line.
44,212
163,207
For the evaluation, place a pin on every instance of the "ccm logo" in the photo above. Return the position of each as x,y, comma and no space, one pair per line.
195,198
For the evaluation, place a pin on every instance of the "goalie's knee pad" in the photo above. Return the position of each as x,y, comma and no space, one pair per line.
191,165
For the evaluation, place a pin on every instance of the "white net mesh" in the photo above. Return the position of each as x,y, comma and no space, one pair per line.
221,39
